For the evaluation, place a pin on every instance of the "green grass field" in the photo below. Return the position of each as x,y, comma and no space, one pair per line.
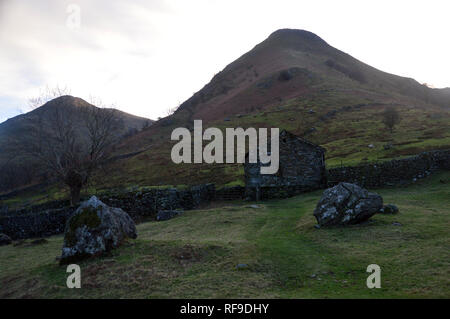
195,255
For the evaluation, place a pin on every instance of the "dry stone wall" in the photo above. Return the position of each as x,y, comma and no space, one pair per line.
393,172
46,220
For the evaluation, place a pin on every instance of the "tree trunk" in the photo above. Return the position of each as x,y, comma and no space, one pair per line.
75,195
75,182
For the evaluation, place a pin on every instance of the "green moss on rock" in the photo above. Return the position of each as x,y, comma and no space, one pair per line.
88,217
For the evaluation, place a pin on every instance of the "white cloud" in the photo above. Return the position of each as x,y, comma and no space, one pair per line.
149,56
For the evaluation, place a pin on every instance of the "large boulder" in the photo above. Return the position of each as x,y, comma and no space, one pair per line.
346,204
5,239
93,229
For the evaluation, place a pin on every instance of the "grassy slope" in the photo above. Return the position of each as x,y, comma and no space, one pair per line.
345,137
245,103
195,255
235,94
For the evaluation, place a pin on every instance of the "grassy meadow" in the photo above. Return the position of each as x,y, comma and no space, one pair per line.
195,255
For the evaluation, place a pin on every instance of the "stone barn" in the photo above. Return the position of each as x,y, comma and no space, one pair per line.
301,169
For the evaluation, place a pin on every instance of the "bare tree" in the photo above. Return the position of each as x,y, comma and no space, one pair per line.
46,94
391,118
172,110
71,143
145,125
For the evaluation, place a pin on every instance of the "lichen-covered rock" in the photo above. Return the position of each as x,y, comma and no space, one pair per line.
346,204
95,228
5,239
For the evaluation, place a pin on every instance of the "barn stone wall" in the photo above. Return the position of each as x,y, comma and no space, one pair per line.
301,168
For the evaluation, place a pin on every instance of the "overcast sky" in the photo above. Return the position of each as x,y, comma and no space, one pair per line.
149,56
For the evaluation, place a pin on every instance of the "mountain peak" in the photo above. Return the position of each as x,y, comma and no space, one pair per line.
65,99
296,35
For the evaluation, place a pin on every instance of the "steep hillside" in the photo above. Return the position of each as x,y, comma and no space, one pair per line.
16,132
293,80
296,81
22,123
293,63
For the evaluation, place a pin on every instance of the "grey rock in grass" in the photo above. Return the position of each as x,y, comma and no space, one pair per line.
5,240
167,214
241,266
389,209
346,204
93,229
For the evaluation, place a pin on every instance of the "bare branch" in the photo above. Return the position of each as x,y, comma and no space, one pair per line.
47,94
172,110
72,142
